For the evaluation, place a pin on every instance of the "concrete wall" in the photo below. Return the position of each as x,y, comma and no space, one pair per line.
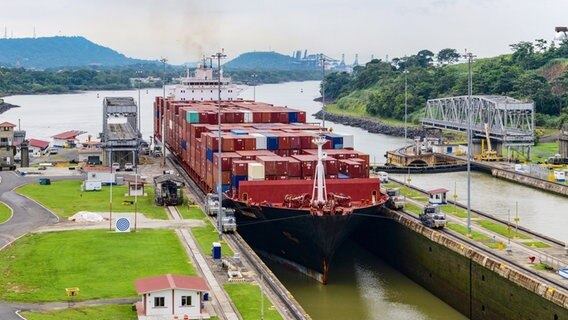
475,284
531,181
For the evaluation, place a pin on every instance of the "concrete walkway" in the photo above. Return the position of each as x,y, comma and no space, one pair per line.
227,311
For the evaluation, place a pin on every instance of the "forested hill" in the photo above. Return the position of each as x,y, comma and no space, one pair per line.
54,52
534,71
266,61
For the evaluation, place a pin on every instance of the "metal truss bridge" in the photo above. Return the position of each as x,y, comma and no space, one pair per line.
510,121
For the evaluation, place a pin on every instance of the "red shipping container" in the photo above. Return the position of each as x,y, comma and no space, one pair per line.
229,117
284,117
239,144
266,117
283,141
240,167
227,144
212,118
225,177
250,143
203,117
226,160
274,166
282,153
257,117
302,117
294,168
239,117
295,152
252,154
294,142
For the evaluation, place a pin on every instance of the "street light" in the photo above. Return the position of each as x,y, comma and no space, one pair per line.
253,76
138,73
323,90
219,56
469,57
164,60
405,104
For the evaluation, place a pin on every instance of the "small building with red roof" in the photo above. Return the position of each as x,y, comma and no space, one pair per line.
170,296
437,196
67,138
37,146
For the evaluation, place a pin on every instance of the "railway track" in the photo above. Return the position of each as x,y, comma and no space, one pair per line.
458,237
266,278
488,216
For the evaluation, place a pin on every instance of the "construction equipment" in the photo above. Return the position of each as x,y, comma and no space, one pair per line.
212,204
396,200
432,217
228,222
489,154
168,190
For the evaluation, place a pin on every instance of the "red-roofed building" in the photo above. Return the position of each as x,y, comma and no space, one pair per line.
171,296
67,138
37,146
437,196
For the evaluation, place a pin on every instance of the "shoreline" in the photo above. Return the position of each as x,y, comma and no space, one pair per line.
372,126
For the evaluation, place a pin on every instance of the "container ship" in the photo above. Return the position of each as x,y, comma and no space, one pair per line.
298,190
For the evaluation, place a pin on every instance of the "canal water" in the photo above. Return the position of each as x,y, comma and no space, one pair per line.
361,285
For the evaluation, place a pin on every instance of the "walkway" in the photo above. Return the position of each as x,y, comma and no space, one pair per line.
227,311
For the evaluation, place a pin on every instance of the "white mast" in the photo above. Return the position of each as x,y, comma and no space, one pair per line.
319,181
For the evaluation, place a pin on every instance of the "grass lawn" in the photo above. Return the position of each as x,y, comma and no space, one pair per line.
537,244
191,212
501,229
542,151
102,264
456,211
110,312
480,237
412,208
246,298
205,236
69,199
5,213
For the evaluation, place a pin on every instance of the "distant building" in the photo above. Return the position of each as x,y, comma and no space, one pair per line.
144,82
37,146
67,139
170,297
7,148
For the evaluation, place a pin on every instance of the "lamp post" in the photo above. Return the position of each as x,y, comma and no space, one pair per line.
136,192
139,73
469,57
110,193
163,61
405,104
253,76
219,56
323,90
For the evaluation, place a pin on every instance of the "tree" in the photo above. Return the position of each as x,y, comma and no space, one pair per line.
425,58
448,56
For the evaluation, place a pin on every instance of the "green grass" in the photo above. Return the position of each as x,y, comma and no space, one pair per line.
191,212
246,298
480,237
412,208
102,264
455,211
542,151
501,229
5,212
69,199
110,312
537,244
360,112
205,236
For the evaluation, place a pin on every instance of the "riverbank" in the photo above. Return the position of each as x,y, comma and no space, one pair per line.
6,106
372,126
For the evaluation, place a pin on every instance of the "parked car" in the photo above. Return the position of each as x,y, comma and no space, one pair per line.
128,166
53,150
115,166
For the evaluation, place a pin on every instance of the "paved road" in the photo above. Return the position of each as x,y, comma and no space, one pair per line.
27,216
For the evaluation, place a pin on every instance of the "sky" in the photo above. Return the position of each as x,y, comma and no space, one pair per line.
185,30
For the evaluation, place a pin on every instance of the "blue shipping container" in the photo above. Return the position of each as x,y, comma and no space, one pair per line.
271,141
239,131
183,144
292,117
342,176
209,154
338,146
236,179
225,187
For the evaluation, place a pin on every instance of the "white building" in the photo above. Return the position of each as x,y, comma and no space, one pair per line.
170,296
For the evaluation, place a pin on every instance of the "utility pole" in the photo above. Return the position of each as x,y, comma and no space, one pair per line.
405,104
163,61
323,90
469,57
219,56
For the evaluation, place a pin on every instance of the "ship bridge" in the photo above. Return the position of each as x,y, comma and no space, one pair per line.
510,122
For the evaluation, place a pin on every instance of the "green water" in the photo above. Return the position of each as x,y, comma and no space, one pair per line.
361,286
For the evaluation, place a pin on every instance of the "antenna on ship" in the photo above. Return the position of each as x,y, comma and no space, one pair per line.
319,193
323,90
